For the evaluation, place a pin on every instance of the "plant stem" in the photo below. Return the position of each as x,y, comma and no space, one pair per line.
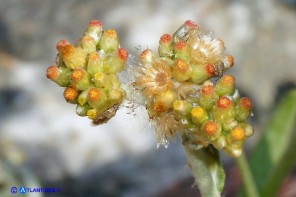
248,180
207,170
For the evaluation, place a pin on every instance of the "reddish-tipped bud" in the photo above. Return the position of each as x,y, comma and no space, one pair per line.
224,102
224,110
88,44
244,108
226,85
61,44
165,48
208,97
211,129
201,73
71,94
123,54
165,39
96,23
181,49
52,73
95,30
190,24
180,45
210,69
116,62
246,103
58,74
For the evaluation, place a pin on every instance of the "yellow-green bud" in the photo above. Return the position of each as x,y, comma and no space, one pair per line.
80,79
102,80
182,107
97,98
88,44
249,129
234,151
115,63
182,70
220,142
116,96
83,96
243,108
199,115
226,85
109,41
165,48
181,50
74,57
201,73
230,124
95,63
207,97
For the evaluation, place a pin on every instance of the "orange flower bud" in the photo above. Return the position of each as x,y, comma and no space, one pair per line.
80,79
212,130
70,95
97,98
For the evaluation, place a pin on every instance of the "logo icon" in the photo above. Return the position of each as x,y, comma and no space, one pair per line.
22,190
13,190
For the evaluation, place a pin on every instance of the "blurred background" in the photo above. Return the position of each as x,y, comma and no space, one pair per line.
44,143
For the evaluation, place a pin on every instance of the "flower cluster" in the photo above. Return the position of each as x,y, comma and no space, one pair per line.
89,72
181,98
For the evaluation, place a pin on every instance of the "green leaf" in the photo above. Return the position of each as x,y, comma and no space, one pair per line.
206,169
274,156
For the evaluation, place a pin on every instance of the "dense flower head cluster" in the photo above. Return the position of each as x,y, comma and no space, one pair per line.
187,93
89,72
